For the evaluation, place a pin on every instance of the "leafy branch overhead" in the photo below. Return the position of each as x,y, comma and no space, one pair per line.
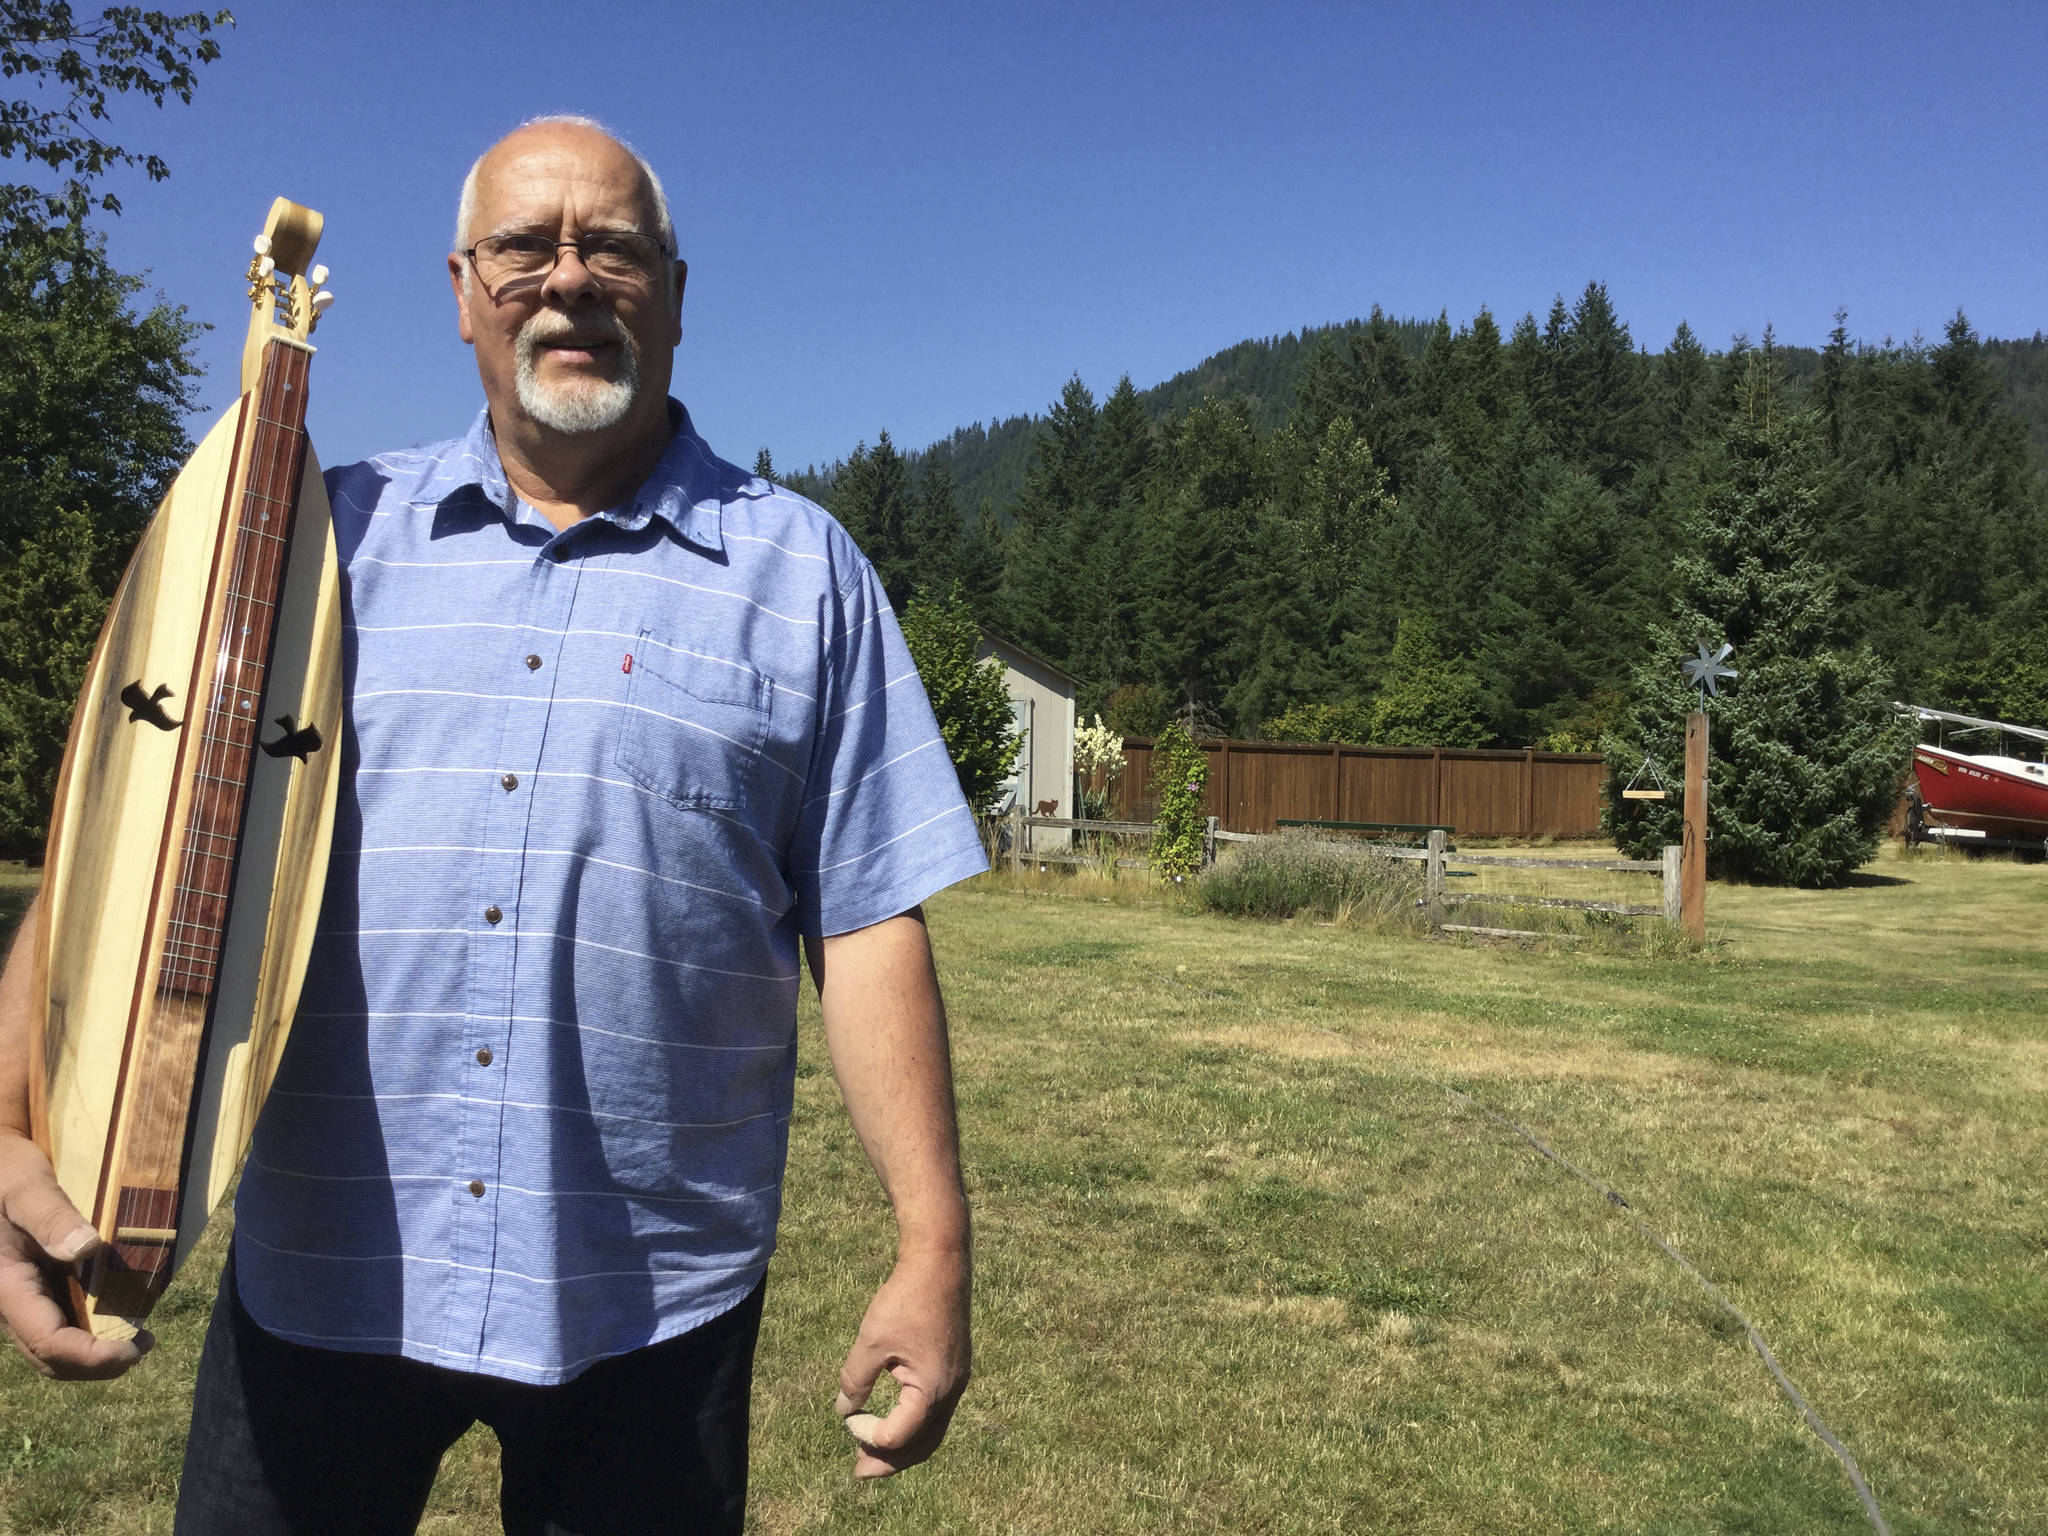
77,66
93,393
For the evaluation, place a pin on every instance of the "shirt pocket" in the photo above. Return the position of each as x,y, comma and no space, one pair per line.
693,731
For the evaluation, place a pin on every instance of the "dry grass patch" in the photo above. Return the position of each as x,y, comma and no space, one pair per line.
1241,1269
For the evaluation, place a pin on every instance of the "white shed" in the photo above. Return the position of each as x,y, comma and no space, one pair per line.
1042,699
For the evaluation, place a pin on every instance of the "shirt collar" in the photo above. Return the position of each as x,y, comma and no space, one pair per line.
685,489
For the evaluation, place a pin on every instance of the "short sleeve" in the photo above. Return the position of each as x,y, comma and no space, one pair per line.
883,825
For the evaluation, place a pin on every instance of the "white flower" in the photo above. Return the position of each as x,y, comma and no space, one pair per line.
1096,746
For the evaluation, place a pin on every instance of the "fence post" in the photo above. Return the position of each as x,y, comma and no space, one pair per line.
1209,844
1672,854
1017,837
1433,879
1693,881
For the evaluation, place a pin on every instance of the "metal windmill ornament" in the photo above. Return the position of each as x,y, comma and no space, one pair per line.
1706,671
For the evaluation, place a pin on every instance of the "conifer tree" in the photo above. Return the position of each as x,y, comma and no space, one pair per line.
981,562
871,497
1207,499
1046,548
1686,389
1124,451
932,529
1603,390
1430,698
1808,758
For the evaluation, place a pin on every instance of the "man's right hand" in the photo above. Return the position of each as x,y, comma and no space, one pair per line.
37,1226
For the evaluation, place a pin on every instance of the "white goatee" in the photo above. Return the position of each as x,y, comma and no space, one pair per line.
581,405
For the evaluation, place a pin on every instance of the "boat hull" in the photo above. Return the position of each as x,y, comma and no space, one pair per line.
1979,796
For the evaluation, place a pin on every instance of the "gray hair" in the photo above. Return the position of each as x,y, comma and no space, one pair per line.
664,227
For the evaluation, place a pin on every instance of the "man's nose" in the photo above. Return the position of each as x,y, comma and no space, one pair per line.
569,281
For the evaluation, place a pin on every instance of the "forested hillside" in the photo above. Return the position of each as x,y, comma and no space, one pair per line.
1405,531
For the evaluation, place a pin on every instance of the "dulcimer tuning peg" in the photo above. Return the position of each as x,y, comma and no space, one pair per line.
317,276
321,300
263,245
266,266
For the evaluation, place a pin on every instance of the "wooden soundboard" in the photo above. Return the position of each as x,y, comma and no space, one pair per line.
188,843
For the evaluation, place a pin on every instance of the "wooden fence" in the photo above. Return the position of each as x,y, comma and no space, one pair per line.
1252,784
1021,845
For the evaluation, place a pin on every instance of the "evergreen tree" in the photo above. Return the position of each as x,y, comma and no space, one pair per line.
1434,553
1381,373
1207,498
932,529
1603,391
1808,758
1124,451
1687,391
871,497
764,465
1046,548
981,562
1569,612
1429,698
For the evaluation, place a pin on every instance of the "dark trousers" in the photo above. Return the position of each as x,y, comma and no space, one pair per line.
291,1439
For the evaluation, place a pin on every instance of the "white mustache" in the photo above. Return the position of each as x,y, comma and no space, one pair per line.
550,326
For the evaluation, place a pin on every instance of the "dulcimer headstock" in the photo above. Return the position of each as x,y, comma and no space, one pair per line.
287,293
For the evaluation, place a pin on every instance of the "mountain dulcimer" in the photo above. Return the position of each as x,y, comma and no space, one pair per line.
188,843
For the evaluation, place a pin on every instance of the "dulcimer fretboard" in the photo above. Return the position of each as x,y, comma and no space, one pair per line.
231,721
159,1074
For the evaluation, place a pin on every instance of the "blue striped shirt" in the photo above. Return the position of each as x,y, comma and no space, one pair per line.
535,1105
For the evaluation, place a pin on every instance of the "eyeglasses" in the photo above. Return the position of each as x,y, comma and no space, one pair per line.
611,255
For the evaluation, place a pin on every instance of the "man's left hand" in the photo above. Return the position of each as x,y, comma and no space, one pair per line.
917,1330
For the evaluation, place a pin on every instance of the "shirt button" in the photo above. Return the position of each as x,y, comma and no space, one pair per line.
476,1187
483,1057
533,663
510,781
493,915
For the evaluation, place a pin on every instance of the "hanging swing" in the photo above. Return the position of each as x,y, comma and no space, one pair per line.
1649,765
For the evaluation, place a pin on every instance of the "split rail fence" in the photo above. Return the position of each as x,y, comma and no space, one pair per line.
1436,858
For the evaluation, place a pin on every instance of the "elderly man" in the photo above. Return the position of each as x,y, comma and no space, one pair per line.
629,727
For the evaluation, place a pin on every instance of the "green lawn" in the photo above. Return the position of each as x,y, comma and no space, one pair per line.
1242,1268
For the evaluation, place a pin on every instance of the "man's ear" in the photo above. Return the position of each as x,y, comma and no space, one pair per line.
458,269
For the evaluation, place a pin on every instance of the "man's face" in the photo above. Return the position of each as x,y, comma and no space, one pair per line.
565,350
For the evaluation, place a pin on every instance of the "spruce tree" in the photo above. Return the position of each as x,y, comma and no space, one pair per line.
1207,499
932,528
871,497
1807,757
1047,543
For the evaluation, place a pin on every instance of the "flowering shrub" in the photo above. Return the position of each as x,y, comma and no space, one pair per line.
1097,747
1180,827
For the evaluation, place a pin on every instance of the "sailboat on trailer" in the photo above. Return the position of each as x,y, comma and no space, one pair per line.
1989,798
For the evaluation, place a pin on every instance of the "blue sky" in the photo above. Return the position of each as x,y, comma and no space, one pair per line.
916,216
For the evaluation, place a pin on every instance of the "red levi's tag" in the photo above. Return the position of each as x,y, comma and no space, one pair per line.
628,663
